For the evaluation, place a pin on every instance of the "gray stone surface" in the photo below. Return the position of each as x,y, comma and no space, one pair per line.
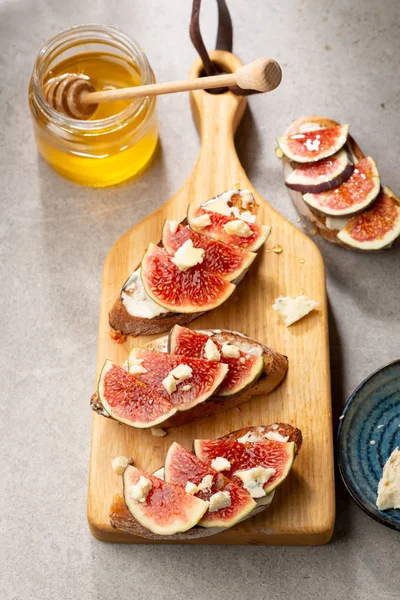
340,59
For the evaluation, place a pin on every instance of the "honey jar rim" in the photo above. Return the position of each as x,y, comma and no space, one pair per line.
91,30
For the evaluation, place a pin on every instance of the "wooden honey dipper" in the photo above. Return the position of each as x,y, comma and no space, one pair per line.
76,97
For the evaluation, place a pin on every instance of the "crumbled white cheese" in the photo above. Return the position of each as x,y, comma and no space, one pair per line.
254,480
238,227
242,359
136,366
186,388
230,351
275,436
246,215
206,483
293,309
173,226
389,485
191,488
137,302
182,372
158,432
219,501
250,436
336,223
120,463
202,221
211,351
220,464
169,384
187,256
139,491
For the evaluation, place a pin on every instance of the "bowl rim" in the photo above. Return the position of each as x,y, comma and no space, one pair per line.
374,515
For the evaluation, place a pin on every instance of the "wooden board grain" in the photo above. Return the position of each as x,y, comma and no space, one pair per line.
303,509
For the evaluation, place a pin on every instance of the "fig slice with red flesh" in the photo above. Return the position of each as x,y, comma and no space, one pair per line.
353,196
310,146
203,382
216,230
321,176
224,260
130,401
376,228
190,291
181,467
244,456
166,508
243,371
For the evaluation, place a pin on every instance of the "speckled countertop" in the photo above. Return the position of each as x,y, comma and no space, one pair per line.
340,59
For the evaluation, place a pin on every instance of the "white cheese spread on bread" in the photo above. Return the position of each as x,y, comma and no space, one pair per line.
137,302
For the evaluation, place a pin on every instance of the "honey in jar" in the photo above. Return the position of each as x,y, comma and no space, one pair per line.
119,139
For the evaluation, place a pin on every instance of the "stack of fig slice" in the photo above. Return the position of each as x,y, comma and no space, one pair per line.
195,267
336,187
194,496
244,369
174,380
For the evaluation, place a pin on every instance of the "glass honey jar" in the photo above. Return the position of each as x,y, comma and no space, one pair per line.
119,139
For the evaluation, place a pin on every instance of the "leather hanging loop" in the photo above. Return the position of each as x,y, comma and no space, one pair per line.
224,42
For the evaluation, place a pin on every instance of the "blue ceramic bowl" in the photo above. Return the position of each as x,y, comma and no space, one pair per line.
368,433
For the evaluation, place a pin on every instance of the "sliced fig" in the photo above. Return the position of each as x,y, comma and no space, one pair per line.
130,401
322,175
191,291
376,228
249,455
252,238
166,508
202,383
353,195
222,259
310,146
181,467
243,371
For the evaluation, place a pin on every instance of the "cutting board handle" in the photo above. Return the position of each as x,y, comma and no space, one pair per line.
217,117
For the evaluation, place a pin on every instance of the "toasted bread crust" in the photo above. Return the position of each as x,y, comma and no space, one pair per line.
285,429
121,518
121,320
317,219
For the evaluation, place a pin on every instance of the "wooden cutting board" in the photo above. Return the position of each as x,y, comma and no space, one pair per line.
303,508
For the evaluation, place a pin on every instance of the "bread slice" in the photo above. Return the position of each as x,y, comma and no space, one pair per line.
121,320
121,518
275,367
316,218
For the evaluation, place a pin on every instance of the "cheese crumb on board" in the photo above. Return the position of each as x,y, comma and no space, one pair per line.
238,227
254,480
140,490
202,221
181,372
158,432
230,351
187,256
136,366
191,488
211,351
206,483
169,384
275,436
173,226
219,500
119,464
220,464
293,309
389,485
